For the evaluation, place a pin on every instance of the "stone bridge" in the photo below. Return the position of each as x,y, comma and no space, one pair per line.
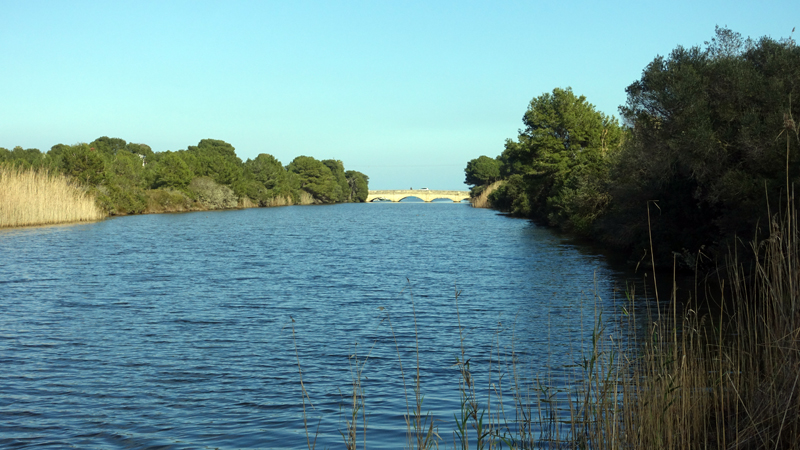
422,194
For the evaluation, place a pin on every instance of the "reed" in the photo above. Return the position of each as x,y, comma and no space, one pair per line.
280,200
731,380
30,197
482,200
305,198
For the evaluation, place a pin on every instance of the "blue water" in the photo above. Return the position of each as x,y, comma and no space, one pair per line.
176,331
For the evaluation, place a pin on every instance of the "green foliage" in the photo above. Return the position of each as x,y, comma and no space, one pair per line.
337,169
30,158
123,192
108,146
512,197
171,171
83,163
710,138
558,168
316,178
213,195
159,200
216,159
117,200
129,178
359,186
139,149
482,170
704,127
267,170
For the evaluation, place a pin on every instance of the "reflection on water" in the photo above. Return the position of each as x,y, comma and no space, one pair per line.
175,330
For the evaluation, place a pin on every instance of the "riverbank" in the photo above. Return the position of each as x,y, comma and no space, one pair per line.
31,197
129,178
205,195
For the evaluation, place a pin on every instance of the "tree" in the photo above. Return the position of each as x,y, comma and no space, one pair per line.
172,171
139,149
561,160
267,170
216,159
337,169
703,144
83,163
108,146
316,178
264,179
24,158
359,186
482,170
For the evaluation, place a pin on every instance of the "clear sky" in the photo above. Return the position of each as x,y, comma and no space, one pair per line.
405,91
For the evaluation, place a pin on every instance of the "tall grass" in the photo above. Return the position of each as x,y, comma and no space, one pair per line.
29,197
305,198
280,200
724,381
482,200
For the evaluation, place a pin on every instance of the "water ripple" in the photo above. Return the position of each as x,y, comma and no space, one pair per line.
184,330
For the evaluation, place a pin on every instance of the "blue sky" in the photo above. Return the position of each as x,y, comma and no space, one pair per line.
406,92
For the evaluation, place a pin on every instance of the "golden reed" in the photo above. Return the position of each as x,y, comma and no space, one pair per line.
29,197
482,200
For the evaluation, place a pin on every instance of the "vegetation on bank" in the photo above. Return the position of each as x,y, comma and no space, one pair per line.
129,178
706,161
694,165
41,198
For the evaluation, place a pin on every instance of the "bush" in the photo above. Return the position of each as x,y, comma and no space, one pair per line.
168,200
213,195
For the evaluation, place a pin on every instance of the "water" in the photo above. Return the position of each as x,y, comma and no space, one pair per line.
176,330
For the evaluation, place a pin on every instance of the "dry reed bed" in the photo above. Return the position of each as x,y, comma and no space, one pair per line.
482,200
728,381
29,197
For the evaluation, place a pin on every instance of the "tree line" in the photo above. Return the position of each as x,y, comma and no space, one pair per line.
707,147
129,178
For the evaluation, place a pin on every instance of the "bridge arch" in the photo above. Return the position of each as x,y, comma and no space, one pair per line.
425,195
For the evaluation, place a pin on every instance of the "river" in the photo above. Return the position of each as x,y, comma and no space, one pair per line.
185,330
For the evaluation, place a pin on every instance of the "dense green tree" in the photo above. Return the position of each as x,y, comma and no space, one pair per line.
124,185
315,178
512,196
482,170
337,169
561,160
267,170
139,149
216,159
83,163
23,158
359,186
172,171
703,152
108,146
125,176
264,179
